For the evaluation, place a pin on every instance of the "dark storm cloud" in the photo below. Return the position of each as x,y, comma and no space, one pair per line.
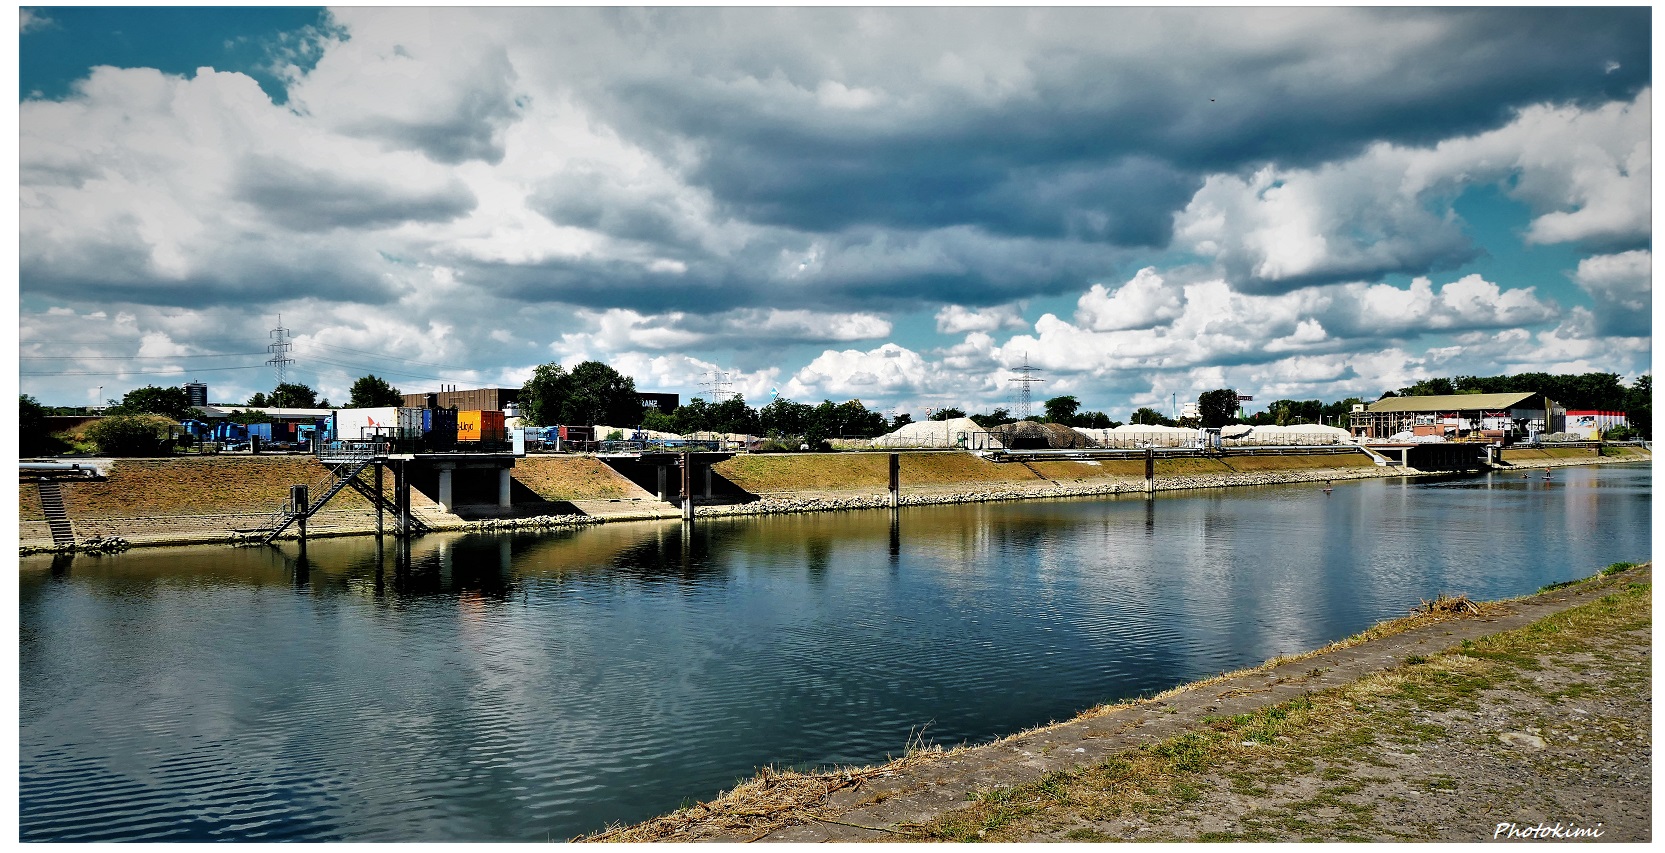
301,198
863,269
592,201
1104,138
113,274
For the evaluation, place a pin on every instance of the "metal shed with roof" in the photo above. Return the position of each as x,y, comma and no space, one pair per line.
1471,416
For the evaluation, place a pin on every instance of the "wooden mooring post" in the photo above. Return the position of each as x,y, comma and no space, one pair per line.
1150,471
687,487
298,508
895,480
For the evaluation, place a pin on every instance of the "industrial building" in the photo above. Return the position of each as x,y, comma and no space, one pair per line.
507,400
1459,417
1592,423
474,399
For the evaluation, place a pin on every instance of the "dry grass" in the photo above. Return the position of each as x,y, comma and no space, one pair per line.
772,800
1451,604
868,472
1165,786
822,472
574,478
192,485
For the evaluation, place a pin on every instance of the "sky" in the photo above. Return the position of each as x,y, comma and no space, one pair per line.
894,205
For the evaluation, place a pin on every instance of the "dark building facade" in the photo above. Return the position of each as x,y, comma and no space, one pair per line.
481,399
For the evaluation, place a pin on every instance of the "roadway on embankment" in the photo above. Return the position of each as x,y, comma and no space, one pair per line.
192,500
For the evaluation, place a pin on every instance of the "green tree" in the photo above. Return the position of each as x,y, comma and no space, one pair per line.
993,419
249,418
902,420
31,426
1638,405
543,396
371,391
1217,407
292,395
133,435
734,416
693,416
658,421
854,419
1148,416
257,399
598,394
1095,420
1434,387
171,402
1061,410
784,417
947,414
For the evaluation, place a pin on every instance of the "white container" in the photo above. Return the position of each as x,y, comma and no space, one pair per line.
381,421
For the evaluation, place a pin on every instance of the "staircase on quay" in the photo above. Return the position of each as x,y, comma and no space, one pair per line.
57,518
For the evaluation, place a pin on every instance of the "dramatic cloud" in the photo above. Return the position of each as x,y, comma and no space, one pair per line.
467,193
1139,304
1586,172
1622,286
957,319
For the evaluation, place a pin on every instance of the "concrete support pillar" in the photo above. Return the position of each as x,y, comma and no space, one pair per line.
1405,457
445,502
708,482
662,479
504,496
895,480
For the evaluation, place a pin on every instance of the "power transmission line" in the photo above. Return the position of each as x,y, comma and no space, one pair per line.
1024,382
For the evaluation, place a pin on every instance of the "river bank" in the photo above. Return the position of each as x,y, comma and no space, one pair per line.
210,500
1465,722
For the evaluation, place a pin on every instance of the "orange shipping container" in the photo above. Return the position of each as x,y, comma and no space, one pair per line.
481,425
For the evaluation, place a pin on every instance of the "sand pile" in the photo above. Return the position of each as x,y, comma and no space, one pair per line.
935,434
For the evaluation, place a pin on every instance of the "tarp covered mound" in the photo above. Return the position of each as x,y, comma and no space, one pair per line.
1131,435
629,433
1028,435
936,434
1306,433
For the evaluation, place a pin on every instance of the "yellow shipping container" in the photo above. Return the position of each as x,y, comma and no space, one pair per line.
481,425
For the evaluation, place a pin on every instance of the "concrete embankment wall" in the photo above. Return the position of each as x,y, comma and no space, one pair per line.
205,499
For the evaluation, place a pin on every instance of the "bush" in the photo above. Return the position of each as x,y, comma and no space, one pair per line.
133,435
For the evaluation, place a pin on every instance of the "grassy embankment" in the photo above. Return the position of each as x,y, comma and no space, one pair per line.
1530,455
1312,768
1334,763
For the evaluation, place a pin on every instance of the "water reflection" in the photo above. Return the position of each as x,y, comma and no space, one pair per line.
535,685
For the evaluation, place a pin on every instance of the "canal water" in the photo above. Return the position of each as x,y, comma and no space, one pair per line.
530,687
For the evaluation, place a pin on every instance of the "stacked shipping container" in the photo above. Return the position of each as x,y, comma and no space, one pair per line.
480,425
